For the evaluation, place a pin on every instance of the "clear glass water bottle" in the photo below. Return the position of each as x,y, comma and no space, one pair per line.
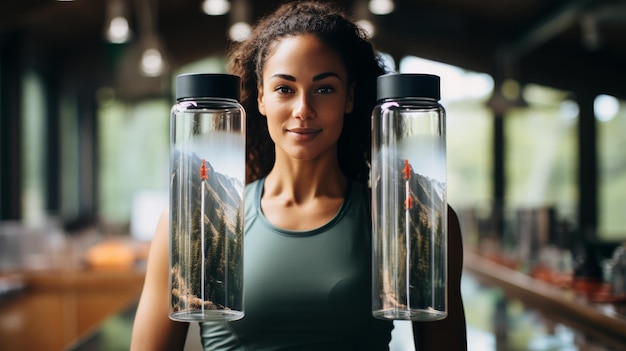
409,203
207,165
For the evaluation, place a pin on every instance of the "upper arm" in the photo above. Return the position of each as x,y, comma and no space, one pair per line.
152,328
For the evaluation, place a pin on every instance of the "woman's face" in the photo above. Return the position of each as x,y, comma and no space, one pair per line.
304,96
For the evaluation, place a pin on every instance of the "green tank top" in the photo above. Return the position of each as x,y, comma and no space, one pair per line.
305,290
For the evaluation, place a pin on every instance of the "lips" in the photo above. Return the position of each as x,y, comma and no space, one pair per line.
303,134
300,130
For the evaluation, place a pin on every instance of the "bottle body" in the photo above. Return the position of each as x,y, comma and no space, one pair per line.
409,210
207,169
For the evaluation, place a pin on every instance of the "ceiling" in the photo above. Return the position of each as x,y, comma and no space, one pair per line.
575,45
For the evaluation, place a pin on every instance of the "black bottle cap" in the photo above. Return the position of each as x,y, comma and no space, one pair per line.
197,85
403,85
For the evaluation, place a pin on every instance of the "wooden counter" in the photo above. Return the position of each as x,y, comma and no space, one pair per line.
57,307
605,322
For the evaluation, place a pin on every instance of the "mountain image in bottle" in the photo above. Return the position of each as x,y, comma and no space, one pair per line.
419,227
206,221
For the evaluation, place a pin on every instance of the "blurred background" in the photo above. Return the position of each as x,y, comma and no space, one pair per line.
536,113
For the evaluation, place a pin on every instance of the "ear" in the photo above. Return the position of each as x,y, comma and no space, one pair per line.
260,100
350,99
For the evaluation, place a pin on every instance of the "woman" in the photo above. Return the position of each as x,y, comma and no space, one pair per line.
309,86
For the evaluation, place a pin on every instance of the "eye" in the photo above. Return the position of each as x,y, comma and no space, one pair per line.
325,90
282,89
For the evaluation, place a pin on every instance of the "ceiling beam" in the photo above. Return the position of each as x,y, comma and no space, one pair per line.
545,29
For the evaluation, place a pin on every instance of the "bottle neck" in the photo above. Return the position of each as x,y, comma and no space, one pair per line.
423,100
207,99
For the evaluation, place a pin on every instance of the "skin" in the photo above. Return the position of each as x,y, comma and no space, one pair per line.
160,333
304,95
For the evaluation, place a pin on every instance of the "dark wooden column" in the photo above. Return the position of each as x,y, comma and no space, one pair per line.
587,167
10,127
53,143
499,179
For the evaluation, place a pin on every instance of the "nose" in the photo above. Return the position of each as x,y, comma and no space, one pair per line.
303,107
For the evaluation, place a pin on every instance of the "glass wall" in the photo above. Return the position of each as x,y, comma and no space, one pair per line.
34,141
611,129
469,130
541,153
133,147
133,154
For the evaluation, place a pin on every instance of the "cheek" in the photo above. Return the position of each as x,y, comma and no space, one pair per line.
274,122
337,113
273,126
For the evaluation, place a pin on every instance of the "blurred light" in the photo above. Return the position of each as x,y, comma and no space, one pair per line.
456,83
152,64
537,94
381,7
367,26
605,107
239,31
118,31
215,7
388,62
569,110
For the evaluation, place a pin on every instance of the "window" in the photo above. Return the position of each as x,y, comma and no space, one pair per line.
134,153
469,130
134,143
33,147
541,153
611,128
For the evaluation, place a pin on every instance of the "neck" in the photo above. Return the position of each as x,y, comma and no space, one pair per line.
300,181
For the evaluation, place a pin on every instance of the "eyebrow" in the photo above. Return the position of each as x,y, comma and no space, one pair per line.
315,78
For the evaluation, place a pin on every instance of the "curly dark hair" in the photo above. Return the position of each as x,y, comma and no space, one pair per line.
332,26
